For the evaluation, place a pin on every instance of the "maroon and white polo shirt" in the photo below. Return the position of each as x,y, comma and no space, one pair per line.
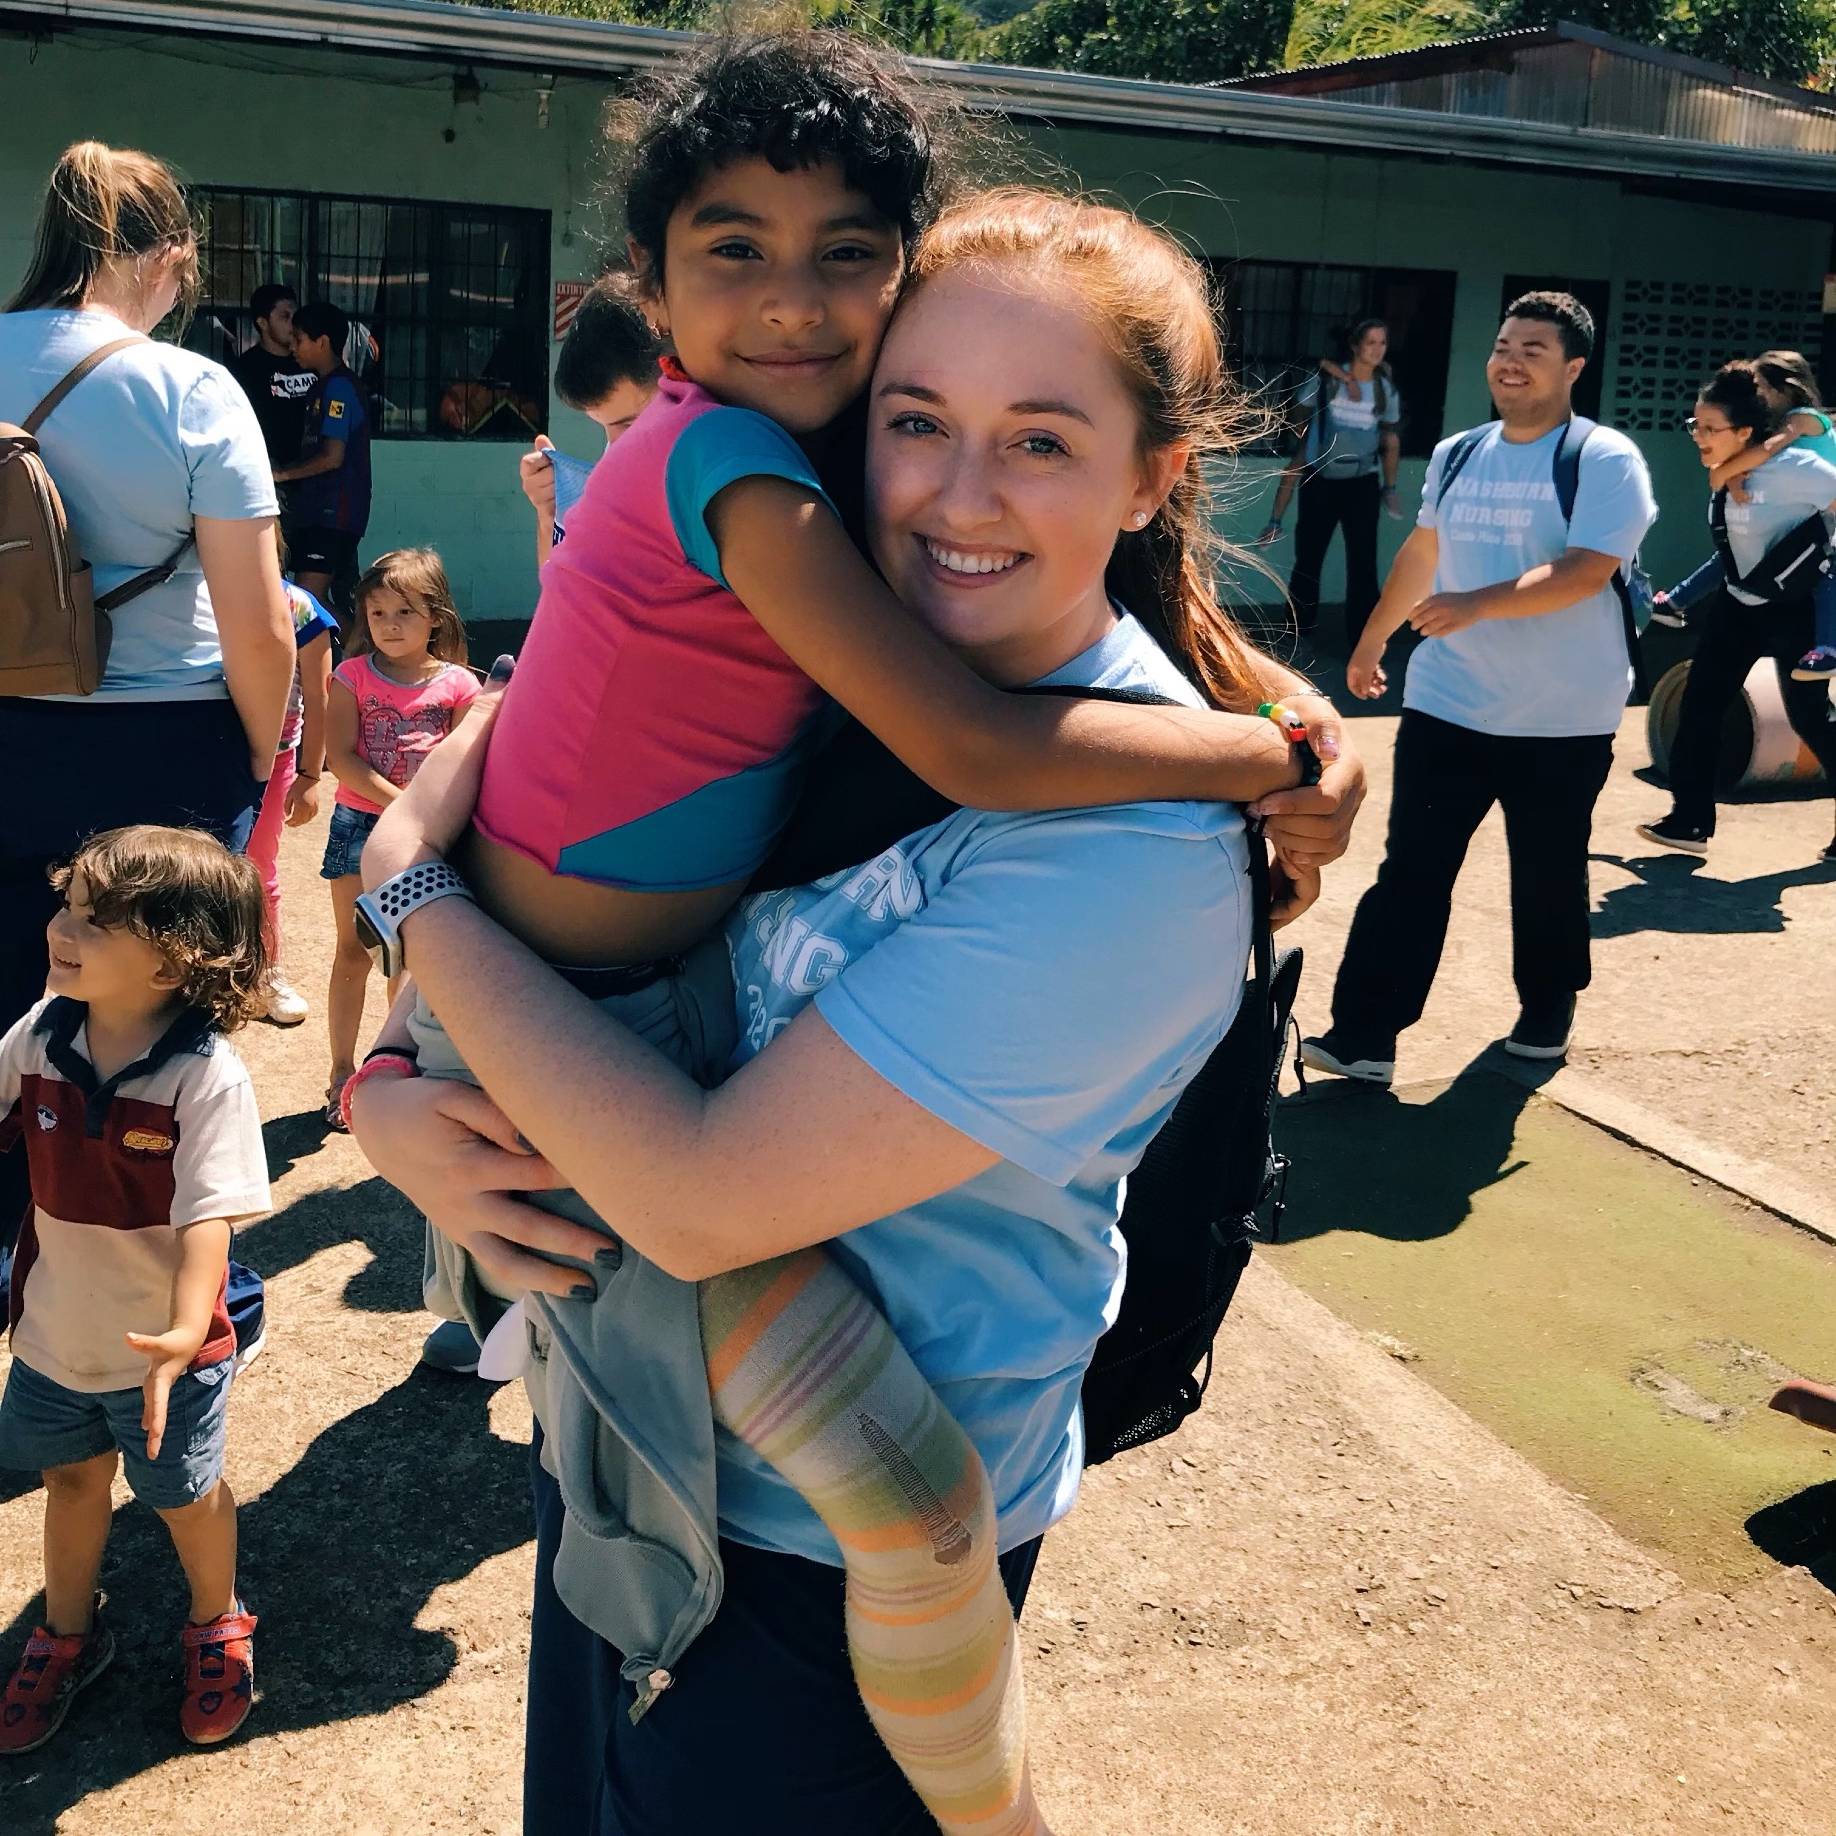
119,1168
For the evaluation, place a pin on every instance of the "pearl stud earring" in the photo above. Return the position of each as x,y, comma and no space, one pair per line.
1138,520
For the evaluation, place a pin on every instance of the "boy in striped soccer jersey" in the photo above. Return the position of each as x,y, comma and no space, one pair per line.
145,1147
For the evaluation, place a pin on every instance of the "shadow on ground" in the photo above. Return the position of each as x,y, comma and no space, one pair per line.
1365,1160
1673,893
339,1557
1800,1532
372,1213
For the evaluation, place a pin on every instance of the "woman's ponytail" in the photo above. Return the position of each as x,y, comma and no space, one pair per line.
105,204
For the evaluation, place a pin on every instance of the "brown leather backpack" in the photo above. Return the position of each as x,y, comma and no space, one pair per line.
54,632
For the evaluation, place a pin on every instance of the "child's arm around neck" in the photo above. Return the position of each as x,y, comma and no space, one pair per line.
1800,425
792,565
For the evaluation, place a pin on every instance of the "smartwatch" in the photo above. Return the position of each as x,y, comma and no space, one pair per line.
379,914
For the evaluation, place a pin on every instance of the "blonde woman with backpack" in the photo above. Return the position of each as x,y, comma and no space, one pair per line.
160,473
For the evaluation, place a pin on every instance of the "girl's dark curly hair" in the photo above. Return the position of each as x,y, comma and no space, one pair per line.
196,903
796,99
1735,390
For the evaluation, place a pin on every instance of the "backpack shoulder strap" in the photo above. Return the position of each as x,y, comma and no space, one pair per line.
43,411
1463,450
1568,463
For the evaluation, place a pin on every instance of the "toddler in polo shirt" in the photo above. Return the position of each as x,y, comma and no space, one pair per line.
145,1146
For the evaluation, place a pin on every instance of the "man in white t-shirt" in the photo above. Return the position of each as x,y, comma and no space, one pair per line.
1513,699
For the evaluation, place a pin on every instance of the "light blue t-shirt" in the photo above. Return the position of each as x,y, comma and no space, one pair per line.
1047,984
1792,484
1559,675
152,438
1347,440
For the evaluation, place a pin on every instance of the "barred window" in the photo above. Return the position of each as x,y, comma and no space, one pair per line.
447,302
1282,317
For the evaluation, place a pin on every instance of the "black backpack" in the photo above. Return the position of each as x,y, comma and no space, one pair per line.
1789,569
1192,1207
1631,584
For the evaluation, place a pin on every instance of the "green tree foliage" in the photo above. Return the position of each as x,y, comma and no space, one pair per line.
1176,41
1788,40
1203,41
1328,31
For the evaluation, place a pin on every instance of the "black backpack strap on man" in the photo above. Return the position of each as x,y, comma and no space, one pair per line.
1192,1206
1789,569
1630,587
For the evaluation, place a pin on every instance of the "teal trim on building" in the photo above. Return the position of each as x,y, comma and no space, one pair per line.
1691,275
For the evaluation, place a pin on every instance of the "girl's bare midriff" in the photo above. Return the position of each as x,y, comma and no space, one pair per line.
580,925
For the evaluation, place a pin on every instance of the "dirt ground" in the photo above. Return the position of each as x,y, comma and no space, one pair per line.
1333,1604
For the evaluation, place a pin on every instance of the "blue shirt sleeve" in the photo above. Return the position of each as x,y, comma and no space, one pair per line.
342,415
1794,476
1079,964
1614,504
715,450
225,455
1431,485
309,617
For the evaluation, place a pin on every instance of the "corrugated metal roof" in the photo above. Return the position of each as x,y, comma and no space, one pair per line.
1572,76
488,37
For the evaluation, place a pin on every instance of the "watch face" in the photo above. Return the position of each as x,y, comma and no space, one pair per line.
367,933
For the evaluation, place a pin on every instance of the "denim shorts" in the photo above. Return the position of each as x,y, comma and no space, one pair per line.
350,829
43,1424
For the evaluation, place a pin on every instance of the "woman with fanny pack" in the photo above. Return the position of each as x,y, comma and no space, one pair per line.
159,462
1345,471
1773,549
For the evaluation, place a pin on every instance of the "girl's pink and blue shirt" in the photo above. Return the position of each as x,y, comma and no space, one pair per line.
654,736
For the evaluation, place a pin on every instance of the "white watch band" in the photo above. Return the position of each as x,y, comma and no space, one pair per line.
387,908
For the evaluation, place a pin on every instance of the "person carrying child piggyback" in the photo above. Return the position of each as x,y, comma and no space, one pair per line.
1789,385
401,690
145,1147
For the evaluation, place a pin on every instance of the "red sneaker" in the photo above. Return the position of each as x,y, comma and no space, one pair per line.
219,1677
51,1671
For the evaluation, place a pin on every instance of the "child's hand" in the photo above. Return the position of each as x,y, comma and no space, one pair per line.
1737,489
302,802
1392,504
1365,678
537,477
168,1356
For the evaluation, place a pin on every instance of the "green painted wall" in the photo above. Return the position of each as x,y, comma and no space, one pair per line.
302,118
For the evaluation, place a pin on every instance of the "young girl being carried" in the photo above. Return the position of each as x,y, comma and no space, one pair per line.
402,690
669,699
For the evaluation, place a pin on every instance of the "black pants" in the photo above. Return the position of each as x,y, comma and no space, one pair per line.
762,1732
1734,638
1447,779
1327,504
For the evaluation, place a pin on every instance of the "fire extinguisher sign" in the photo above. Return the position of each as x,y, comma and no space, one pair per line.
568,295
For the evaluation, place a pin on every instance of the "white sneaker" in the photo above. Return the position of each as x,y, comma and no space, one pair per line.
286,1005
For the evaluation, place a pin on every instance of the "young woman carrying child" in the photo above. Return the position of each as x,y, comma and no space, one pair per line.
1788,385
401,690
666,708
